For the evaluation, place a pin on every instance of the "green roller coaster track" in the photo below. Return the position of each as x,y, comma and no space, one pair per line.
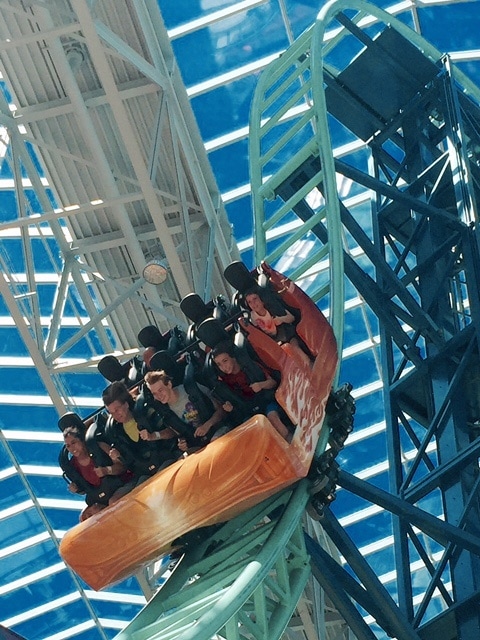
244,580
245,577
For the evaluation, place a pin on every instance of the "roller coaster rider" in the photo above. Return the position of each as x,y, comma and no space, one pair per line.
188,409
123,432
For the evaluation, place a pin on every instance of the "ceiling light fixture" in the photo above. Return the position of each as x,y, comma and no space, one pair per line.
155,271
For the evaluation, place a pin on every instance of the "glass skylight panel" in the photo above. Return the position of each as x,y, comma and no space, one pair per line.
222,159
365,453
80,631
462,31
38,591
29,560
48,484
12,492
36,453
19,423
224,109
231,42
63,513
57,613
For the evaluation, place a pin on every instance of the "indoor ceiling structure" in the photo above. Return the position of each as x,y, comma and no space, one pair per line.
124,142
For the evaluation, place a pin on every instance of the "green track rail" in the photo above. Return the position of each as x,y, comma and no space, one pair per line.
242,581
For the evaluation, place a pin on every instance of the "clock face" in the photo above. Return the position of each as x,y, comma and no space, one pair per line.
155,272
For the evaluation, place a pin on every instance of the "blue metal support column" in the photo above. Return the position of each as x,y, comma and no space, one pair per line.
444,289
407,124
439,530
369,592
330,575
456,541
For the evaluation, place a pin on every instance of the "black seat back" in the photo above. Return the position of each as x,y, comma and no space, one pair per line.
151,336
71,419
95,434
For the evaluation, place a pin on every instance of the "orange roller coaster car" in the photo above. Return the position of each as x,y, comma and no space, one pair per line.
230,475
